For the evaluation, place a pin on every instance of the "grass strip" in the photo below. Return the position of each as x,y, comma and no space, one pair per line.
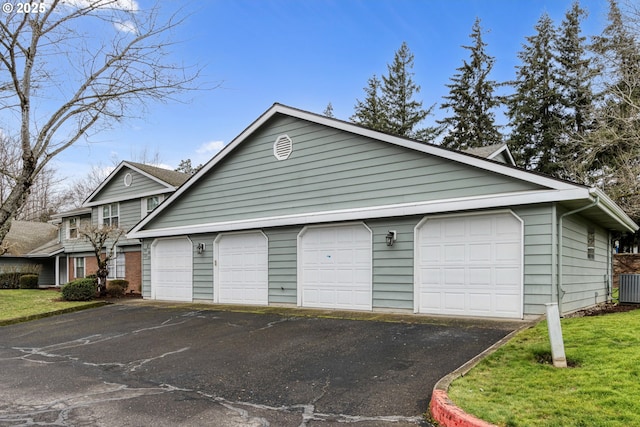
20,305
517,386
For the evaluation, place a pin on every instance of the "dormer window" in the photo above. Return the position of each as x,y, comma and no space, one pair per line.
149,204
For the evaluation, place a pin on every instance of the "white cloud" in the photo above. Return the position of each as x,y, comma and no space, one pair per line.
126,27
210,148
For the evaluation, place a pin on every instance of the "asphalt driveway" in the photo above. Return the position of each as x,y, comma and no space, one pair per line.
140,364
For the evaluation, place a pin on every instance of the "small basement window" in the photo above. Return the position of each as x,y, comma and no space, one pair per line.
283,147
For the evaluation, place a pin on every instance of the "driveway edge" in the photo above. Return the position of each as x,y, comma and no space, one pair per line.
443,410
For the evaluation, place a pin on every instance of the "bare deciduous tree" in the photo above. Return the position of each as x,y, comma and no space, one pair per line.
73,68
103,240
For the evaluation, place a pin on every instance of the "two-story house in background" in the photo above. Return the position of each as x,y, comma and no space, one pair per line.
127,195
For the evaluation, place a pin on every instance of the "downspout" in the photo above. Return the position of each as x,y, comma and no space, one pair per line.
559,290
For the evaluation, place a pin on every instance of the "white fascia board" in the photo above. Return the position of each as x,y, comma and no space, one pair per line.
502,149
88,201
613,210
122,199
354,214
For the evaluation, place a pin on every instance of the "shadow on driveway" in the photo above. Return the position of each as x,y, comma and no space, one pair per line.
166,365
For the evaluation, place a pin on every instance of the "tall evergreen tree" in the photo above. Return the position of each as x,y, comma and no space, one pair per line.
610,155
403,112
471,100
535,110
371,112
576,77
576,72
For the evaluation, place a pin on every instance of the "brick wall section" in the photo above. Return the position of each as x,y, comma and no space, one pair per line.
133,271
625,264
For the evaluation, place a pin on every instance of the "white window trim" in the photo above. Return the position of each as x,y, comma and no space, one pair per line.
143,204
101,213
113,262
77,227
75,267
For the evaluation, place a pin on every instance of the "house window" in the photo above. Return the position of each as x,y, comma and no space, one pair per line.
152,203
74,224
117,266
78,267
591,243
110,215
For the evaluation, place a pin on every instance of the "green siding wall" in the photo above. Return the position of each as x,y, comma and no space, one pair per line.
538,257
584,281
393,265
116,190
283,273
203,267
328,169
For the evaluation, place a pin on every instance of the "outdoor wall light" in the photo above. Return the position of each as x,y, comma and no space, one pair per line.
391,237
201,247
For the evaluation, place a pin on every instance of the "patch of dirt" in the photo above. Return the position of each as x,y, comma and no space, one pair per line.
602,309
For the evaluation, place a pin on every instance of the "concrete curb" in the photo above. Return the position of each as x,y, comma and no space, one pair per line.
443,410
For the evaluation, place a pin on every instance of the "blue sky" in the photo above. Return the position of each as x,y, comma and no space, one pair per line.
308,53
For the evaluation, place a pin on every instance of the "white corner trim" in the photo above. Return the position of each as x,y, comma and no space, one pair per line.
358,214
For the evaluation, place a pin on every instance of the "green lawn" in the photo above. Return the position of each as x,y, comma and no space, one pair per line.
516,386
25,304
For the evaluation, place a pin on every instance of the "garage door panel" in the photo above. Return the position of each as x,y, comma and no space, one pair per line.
335,267
475,265
171,270
242,271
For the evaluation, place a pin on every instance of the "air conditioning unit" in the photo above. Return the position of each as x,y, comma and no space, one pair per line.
630,288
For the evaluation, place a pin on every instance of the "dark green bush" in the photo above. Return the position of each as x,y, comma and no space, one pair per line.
79,290
10,274
29,281
117,287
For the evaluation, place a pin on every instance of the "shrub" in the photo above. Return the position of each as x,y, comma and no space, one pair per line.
10,274
117,288
79,290
29,281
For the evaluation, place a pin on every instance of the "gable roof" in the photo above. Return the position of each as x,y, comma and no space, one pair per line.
168,179
555,190
492,152
25,236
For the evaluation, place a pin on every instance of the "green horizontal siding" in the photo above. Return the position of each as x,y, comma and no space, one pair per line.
203,267
584,281
327,170
283,282
538,257
116,190
393,265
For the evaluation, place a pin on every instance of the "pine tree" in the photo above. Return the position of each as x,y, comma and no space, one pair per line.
610,155
370,112
535,110
403,112
576,77
576,73
471,99
328,111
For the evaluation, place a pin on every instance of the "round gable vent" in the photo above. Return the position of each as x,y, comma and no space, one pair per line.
283,147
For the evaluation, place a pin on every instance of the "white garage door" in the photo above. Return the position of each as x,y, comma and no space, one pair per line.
242,268
470,265
171,269
334,267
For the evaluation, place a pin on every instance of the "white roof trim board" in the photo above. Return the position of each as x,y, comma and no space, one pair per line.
559,190
88,202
